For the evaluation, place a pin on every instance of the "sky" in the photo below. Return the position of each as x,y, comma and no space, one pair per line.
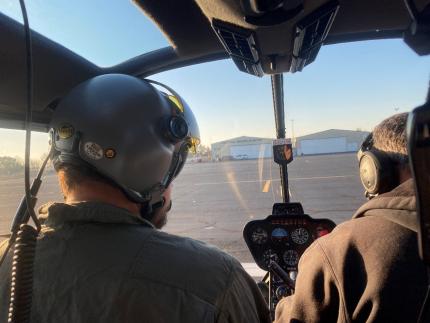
349,86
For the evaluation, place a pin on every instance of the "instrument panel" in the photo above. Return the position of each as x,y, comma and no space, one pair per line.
284,235
282,238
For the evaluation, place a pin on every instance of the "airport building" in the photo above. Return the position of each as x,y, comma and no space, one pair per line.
242,148
330,142
325,142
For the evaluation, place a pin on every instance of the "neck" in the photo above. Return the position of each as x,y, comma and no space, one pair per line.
404,174
92,191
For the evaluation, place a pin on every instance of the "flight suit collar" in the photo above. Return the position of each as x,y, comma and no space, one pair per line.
57,214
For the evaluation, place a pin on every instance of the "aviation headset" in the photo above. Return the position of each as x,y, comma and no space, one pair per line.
126,130
377,170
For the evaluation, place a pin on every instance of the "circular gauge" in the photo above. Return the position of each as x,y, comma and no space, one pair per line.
300,235
268,255
259,236
279,235
291,257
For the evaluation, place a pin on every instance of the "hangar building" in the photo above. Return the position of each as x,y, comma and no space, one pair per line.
325,142
330,142
242,148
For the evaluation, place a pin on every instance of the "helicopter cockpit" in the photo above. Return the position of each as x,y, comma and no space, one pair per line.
261,195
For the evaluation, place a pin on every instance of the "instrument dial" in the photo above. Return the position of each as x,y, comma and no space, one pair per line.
300,235
259,236
291,257
268,255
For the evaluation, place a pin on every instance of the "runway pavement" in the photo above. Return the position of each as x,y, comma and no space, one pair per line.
213,201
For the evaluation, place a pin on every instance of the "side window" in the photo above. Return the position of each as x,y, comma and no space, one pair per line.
12,173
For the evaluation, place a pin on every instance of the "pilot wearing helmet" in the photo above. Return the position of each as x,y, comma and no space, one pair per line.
367,269
117,145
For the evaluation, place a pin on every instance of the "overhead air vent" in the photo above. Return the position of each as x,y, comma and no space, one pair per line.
240,45
311,33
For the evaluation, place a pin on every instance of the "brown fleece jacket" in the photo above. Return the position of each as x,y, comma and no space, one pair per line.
366,270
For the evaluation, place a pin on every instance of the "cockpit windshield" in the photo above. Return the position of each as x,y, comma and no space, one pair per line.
330,108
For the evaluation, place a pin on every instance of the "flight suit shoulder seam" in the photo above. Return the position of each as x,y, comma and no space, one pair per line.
231,276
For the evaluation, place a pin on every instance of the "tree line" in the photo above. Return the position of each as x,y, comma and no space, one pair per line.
15,165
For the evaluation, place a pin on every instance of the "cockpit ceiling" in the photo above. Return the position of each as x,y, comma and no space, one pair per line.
183,24
191,32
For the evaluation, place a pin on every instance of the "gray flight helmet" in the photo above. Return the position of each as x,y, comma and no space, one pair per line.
126,130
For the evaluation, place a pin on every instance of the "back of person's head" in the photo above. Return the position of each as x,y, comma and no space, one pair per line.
121,130
71,177
390,137
383,159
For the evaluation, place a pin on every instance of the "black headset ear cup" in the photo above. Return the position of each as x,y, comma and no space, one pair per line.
376,172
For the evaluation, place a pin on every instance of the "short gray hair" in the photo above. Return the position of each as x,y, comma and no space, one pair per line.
390,137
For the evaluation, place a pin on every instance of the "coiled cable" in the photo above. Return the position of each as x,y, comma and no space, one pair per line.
22,275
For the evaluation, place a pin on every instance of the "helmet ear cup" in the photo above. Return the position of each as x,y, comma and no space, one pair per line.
377,172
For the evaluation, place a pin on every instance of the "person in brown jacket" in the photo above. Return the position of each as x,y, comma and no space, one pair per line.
367,269
118,143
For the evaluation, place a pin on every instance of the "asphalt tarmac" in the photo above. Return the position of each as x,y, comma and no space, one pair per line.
213,201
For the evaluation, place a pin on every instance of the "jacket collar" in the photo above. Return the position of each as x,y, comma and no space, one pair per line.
57,214
398,205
